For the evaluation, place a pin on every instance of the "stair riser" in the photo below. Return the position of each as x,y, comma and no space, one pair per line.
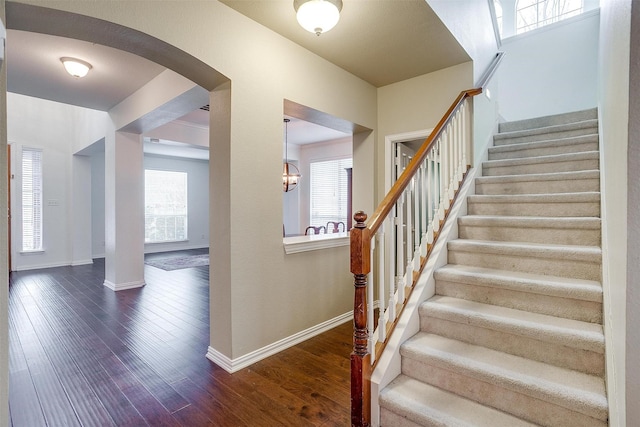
502,140
389,418
586,209
553,265
521,405
497,154
489,169
556,354
586,311
560,236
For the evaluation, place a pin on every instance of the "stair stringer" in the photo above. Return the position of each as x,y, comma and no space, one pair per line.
389,365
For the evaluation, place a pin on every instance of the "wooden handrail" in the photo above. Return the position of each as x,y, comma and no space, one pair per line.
378,216
361,235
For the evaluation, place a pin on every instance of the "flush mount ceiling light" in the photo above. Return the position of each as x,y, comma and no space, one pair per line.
317,16
76,67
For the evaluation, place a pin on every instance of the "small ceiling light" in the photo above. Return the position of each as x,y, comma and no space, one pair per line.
76,67
317,16
290,173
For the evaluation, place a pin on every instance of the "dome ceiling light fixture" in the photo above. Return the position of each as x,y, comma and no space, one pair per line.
290,173
76,67
317,16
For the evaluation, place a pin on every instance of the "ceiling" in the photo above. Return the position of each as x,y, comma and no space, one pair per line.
380,41
406,34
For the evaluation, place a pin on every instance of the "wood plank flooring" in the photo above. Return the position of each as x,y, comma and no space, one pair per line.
83,355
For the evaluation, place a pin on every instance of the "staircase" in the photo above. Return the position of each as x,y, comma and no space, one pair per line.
513,336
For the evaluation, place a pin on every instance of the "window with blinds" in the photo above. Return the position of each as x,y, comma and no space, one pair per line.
31,199
328,195
165,206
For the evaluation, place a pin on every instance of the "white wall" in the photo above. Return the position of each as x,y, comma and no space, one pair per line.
613,105
550,70
471,24
198,201
198,194
56,134
328,150
4,268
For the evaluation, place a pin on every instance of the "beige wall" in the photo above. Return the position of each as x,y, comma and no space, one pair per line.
4,267
614,123
416,104
251,277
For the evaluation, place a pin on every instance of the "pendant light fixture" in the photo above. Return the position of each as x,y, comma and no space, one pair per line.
290,173
317,16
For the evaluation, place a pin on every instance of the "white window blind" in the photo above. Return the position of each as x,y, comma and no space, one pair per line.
165,201
328,183
31,199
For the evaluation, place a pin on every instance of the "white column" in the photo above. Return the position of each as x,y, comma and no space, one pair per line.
80,217
124,211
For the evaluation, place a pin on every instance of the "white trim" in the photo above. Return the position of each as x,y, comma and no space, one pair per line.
389,143
39,266
234,365
82,262
314,242
123,286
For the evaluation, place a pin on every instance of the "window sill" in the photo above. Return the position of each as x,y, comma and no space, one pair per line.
166,241
34,252
297,244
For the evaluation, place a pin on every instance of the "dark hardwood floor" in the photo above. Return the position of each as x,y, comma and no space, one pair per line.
83,355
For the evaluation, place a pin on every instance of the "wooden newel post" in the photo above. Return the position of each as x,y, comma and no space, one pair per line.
360,357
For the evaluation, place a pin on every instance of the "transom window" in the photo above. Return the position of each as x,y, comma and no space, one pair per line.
513,17
532,14
165,206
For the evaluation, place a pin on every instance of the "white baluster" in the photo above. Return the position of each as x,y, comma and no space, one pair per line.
442,174
381,286
424,216
430,194
409,235
392,267
451,169
370,301
416,220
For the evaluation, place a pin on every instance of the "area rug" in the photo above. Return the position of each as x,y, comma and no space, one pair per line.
177,263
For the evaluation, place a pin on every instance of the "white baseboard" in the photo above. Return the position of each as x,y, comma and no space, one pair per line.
234,365
82,262
123,286
39,266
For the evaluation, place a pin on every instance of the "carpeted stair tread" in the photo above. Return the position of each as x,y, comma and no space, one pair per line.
424,404
580,223
582,197
567,252
580,289
588,126
549,120
570,389
554,146
551,158
556,330
585,203
556,176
